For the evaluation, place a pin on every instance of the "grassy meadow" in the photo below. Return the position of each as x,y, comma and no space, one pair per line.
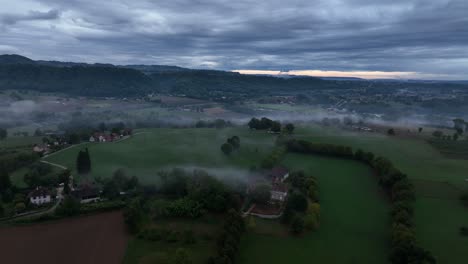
354,214
438,181
155,149
354,225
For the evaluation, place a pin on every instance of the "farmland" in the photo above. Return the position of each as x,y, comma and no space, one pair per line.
354,219
85,240
354,216
146,153
438,181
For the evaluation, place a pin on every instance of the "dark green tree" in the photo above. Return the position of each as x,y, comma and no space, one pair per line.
3,133
289,128
5,182
226,148
297,225
276,127
261,194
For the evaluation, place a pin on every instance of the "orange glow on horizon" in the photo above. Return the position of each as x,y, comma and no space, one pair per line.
320,73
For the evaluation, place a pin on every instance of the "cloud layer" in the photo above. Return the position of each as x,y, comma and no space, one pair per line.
419,38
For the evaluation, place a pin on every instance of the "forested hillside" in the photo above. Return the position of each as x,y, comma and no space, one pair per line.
18,72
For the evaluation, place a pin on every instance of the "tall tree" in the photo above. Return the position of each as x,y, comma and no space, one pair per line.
5,182
3,133
289,128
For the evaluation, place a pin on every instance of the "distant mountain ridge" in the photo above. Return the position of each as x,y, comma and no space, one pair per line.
107,80
19,72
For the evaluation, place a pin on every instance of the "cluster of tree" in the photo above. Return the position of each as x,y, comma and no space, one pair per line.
289,128
83,162
400,190
14,161
460,125
264,123
164,234
306,147
217,123
182,207
260,194
37,175
464,231
134,215
274,157
199,187
302,210
228,241
75,80
440,135
464,199
118,183
231,144
7,190
69,207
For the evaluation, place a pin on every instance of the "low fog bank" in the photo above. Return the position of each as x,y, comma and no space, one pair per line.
224,174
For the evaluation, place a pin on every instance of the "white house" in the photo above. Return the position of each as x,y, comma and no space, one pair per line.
40,196
279,193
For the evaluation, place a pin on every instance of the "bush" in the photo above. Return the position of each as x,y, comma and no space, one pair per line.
464,231
69,207
464,199
297,202
260,194
297,225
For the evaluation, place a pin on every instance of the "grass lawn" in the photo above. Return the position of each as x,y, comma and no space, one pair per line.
438,182
354,219
144,154
20,142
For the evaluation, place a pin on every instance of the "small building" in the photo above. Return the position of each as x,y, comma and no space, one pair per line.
40,196
279,174
39,149
86,194
279,192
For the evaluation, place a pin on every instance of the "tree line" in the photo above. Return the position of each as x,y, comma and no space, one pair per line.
231,144
404,248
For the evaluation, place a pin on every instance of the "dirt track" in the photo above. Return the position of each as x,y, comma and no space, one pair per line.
85,240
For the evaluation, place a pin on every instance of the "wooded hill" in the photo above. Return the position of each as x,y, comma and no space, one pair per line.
99,80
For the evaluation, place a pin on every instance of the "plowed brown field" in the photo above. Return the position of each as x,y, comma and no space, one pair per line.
91,239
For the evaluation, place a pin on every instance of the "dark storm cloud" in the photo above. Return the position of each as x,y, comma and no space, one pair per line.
31,15
427,37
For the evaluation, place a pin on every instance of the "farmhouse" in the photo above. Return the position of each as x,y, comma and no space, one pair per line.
102,137
279,192
40,196
279,174
87,194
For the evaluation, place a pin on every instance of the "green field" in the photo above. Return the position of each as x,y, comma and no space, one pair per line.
354,219
438,180
146,153
450,148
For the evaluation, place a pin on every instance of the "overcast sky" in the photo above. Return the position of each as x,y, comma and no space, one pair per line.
375,38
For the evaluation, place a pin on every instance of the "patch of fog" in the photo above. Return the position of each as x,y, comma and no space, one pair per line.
225,174
23,107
